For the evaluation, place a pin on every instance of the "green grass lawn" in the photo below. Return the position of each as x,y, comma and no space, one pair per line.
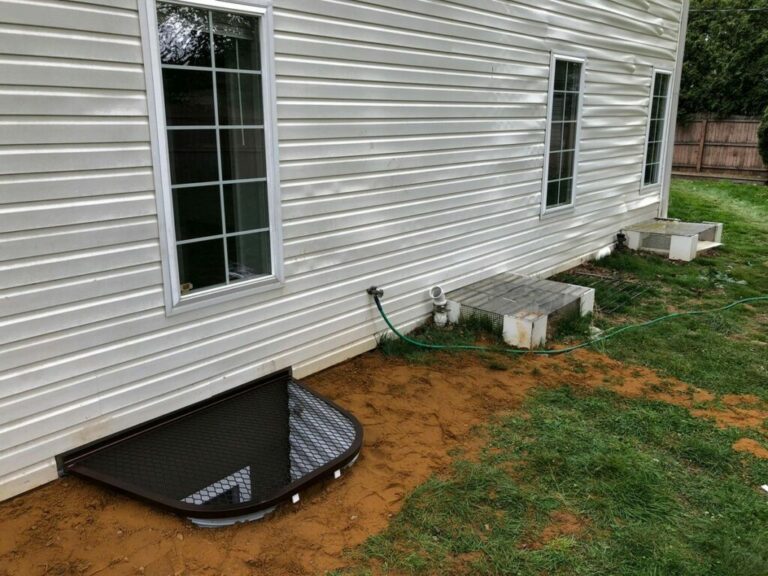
723,353
597,484
655,491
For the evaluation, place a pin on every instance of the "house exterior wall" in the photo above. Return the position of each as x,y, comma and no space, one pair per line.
411,142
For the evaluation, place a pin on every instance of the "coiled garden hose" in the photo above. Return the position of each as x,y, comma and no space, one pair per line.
376,293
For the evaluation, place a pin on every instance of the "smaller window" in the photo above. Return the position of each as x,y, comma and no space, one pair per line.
657,126
563,132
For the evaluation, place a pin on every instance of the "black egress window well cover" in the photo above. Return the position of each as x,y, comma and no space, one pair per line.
237,454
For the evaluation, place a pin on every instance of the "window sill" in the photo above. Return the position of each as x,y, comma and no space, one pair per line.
650,189
550,213
223,294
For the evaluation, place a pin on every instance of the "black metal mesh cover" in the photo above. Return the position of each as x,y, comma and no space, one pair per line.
237,454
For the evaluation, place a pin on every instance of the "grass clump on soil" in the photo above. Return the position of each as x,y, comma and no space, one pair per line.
471,330
586,484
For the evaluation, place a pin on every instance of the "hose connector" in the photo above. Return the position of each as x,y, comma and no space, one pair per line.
375,291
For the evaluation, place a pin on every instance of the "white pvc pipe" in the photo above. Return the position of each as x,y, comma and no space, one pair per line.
439,301
438,296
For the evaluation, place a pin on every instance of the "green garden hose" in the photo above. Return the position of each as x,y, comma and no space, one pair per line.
605,336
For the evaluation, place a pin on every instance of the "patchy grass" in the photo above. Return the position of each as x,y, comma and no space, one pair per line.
572,326
470,331
725,352
586,484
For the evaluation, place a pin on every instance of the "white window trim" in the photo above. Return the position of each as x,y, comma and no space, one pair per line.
651,188
174,301
545,211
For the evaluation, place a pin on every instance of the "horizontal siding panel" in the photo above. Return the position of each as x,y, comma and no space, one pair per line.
40,215
386,44
20,160
342,221
349,148
65,342
386,54
36,41
124,4
28,477
362,91
57,239
95,308
534,81
37,187
338,203
311,189
31,130
296,108
25,71
442,18
25,101
416,162
27,271
17,302
70,15
325,130
633,25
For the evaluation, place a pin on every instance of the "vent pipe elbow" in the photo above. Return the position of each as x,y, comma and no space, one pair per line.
440,303
438,296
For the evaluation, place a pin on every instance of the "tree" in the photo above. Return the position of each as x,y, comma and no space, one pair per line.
726,58
762,137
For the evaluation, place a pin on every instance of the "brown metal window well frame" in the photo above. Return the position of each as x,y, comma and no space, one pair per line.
236,455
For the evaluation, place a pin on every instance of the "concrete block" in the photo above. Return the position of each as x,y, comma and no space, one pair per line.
587,302
634,239
683,248
525,330
453,309
715,234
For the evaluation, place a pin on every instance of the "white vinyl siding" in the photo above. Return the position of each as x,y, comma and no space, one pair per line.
412,147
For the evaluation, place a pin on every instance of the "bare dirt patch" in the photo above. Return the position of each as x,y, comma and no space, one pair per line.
562,523
414,418
752,447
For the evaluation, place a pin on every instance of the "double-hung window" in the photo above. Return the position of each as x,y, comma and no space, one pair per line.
217,154
655,148
564,118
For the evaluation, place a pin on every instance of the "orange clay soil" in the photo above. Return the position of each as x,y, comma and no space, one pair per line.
413,416
751,446
561,524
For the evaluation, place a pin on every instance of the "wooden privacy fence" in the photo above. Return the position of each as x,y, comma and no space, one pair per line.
723,148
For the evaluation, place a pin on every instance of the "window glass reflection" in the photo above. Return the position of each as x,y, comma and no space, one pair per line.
184,35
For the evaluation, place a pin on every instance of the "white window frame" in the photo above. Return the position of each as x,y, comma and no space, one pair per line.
555,57
174,300
650,188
